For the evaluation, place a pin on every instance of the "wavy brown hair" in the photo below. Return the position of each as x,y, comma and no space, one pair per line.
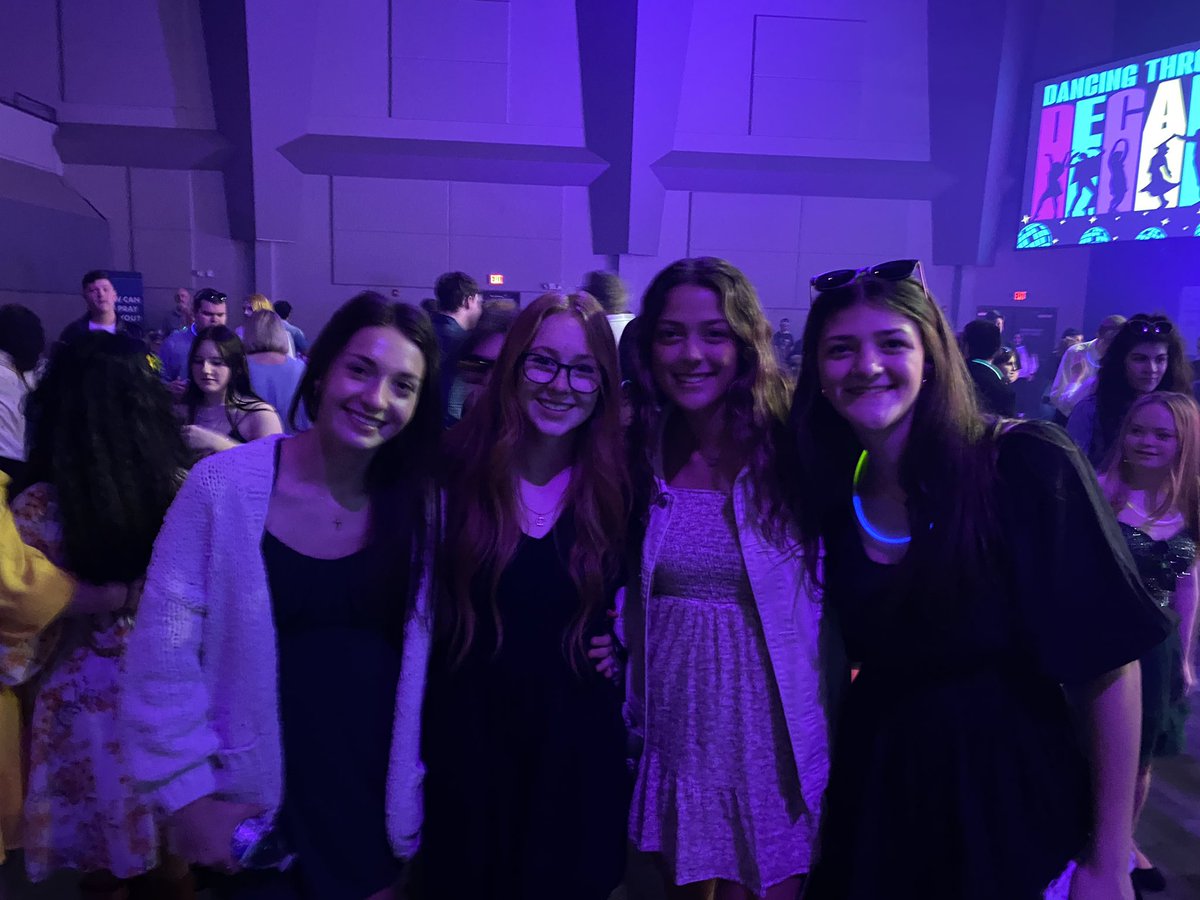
1183,485
483,512
757,402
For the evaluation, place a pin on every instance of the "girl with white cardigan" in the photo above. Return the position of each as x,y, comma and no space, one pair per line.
278,663
724,687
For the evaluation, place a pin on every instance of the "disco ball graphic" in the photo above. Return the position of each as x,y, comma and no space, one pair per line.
1095,235
1151,234
1035,234
1197,231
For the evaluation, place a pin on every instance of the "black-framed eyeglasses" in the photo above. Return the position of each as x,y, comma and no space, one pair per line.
893,270
1146,326
581,377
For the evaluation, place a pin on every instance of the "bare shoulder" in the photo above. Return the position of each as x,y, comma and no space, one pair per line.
259,420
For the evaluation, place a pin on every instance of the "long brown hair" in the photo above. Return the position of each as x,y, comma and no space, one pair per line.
1183,485
947,467
483,519
757,401
1113,391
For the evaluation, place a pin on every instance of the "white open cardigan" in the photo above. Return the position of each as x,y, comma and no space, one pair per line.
201,700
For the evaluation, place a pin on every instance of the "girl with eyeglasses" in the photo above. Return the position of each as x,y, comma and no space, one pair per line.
957,770
526,789
1153,484
725,692
1146,355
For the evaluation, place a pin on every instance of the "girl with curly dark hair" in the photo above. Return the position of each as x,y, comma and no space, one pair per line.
724,687
104,464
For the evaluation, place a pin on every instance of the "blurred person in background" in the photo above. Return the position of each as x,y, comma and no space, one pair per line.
274,376
209,308
259,303
1153,485
299,341
612,294
1145,355
1076,375
181,315
457,310
981,342
105,460
22,341
219,407
478,355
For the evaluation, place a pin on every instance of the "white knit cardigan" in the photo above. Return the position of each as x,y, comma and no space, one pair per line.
201,697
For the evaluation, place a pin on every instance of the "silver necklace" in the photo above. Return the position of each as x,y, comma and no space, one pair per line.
539,520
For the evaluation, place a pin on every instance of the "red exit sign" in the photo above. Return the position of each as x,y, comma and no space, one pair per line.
1020,295
496,278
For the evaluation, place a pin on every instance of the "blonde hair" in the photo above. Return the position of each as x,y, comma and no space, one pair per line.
1183,486
260,303
264,333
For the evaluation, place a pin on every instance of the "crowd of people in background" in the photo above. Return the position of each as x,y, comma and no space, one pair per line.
468,599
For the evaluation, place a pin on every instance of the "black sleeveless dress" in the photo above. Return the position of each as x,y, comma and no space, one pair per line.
526,787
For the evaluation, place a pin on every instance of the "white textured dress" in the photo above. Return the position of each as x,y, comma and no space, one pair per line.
717,791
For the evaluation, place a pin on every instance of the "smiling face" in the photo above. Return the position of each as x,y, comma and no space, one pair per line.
693,355
870,364
1151,441
1145,366
558,407
371,389
210,371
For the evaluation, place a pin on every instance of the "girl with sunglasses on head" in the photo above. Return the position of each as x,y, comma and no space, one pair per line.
1146,355
1153,484
526,789
220,409
724,688
277,667
957,771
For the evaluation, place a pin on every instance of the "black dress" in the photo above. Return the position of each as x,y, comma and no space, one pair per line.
339,653
526,788
956,771
1164,698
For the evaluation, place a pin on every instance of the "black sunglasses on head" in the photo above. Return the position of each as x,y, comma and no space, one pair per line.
894,270
1146,325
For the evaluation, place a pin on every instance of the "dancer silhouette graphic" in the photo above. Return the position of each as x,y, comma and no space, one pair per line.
1054,187
1118,184
1194,139
1086,174
1160,175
